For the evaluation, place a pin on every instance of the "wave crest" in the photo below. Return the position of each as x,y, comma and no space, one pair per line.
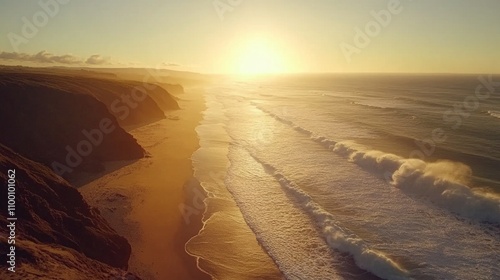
495,114
445,183
340,238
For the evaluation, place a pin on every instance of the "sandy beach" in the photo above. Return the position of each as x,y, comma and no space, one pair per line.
142,200
250,140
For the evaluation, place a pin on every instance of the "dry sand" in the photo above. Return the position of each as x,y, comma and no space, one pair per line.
141,200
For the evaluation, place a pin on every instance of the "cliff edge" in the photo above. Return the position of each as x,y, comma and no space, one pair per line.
55,227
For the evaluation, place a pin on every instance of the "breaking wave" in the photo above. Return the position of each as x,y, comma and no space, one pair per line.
367,105
445,183
495,114
340,238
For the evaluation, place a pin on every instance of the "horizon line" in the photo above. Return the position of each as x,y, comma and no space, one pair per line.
252,75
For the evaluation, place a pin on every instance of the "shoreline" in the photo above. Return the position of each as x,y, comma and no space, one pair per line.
226,247
142,201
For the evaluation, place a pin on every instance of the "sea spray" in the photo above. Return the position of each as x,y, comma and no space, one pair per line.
445,183
442,182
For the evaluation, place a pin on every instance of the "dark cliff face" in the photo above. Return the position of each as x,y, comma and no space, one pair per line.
173,88
132,103
51,212
161,95
61,129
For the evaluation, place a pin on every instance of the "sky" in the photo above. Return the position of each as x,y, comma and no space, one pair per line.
253,36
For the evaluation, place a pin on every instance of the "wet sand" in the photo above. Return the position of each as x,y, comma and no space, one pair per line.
142,201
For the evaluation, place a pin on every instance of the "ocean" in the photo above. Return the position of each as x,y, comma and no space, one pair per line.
350,177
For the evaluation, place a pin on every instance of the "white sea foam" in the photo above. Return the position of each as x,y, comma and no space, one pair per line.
379,105
495,114
324,141
278,118
445,183
369,159
340,238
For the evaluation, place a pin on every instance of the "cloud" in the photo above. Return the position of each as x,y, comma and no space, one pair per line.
97,59
40,57
170,64
13,56
48,58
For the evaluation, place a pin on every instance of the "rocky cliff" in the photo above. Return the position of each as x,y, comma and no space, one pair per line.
56,231
62,129
131,102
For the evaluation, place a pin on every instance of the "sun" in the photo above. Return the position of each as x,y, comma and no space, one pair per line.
259,57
